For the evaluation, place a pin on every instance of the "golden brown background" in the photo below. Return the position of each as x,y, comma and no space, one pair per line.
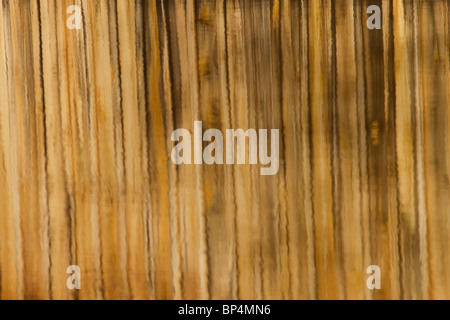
85,171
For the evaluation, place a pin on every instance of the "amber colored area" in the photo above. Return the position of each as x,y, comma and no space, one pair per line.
86,177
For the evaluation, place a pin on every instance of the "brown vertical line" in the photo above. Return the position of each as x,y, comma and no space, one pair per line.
45,218
22,122
142,86
272,234
256,34
236,62
76,193
4,206
203,20
80,100
327,288
142,36
435,63
253,119
263,81
349,205
362,143
214,106
335,133
120,136
26,105
446,195
180,113
170,121
309,135
228,116
289,105
134,150
67,138
414,126
306,9
8,250
393,187
419,158
391,151
66,145
190,268
121,151
366,100
12,53
100,123
365,132
159,170
226,123
191,9
248,269
231,181
382,215
122,291
58,205
399,215
142,7
310,186
447,44
89,121
78,186
194,89
191,209
285,273
405,149
306,138
172,86
153,61
286,290
290,96
245,116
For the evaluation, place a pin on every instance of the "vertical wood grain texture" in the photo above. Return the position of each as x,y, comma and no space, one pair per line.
86,177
